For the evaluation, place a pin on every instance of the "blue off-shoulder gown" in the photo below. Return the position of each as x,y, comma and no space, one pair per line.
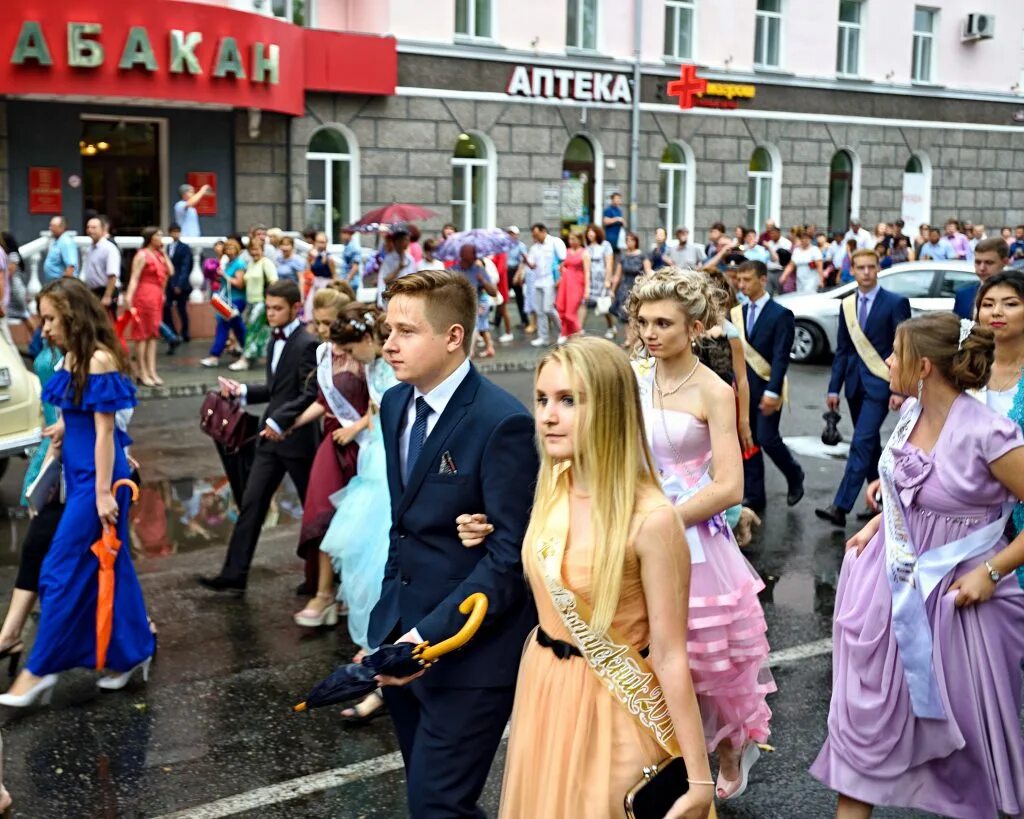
68,584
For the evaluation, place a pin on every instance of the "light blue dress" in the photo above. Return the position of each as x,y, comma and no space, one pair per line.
358,538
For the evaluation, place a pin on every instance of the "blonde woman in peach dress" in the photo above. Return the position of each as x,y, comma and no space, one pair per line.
605,536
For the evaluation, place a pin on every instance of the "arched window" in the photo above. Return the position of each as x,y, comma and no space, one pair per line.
916,209
676,187
581,181
332,194
843,190
764,186
473,175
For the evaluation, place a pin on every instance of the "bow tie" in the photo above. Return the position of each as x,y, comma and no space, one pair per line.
279,334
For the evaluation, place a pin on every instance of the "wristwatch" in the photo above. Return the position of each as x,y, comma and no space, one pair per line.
994,575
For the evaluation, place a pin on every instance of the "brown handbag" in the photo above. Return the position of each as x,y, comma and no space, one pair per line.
224,420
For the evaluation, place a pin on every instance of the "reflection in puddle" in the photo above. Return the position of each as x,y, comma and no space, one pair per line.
171,517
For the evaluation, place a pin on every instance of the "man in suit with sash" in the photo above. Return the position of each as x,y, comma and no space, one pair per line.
454,444
868,320
766,329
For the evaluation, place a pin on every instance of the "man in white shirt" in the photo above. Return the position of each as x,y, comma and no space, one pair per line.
103,264
780,248
399,262
546,252
682,253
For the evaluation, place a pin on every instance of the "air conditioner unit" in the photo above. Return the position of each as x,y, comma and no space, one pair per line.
979,27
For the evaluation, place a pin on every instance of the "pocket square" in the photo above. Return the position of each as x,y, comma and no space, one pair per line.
447,465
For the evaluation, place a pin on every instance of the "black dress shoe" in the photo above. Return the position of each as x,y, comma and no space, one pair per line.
866,514
833,514
221,584
796,493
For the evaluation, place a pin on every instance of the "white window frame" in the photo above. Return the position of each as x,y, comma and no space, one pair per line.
846,31
673,11
289,10
471,35
464,166
764,19
672,216
919,38
329,159
772,211
579,47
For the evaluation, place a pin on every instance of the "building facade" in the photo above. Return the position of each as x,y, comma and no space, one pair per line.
506,112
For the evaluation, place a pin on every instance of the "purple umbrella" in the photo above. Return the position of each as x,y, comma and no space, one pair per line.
487,242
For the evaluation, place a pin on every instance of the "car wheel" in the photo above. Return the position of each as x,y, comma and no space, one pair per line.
808,343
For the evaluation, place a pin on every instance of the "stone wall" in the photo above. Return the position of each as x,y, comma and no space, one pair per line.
261,172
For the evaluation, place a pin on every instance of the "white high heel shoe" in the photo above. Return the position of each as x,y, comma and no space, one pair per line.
310,618
42,691
727,789
115,682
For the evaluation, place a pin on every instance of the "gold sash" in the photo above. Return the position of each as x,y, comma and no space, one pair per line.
757,362
868,354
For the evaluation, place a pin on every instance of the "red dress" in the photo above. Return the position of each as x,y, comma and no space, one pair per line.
333,466
148,301
572,288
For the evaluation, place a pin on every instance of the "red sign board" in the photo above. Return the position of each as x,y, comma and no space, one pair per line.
183,51
207,206
44,191
693,90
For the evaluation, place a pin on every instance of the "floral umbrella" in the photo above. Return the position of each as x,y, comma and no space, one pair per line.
487,242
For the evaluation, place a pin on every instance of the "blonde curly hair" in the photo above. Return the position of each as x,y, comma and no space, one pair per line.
697,295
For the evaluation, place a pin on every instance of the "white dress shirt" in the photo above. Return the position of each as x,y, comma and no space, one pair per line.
275,356
437,399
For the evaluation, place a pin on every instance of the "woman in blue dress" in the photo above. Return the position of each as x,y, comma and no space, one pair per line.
90,388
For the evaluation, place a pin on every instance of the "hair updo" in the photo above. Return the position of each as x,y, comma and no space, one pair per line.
936,336
698,297
356,321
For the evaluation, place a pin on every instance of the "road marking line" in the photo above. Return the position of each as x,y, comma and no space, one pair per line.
388,763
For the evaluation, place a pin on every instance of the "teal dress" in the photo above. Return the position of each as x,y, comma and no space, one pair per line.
44,366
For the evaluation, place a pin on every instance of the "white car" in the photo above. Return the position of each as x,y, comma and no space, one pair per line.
930,286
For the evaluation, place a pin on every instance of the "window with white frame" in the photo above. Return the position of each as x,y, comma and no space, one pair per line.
675,184
581,24
848,49
332,183
768,33
923,68
679,29
299,12
761,188
473,19
471,183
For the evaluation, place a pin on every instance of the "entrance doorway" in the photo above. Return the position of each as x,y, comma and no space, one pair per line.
578,184
121,173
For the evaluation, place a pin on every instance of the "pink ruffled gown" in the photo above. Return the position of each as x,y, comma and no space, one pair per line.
970,764
727,644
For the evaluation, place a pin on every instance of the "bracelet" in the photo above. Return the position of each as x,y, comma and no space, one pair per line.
700,782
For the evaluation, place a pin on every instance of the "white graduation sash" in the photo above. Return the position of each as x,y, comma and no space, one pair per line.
340,407
865,349
913,577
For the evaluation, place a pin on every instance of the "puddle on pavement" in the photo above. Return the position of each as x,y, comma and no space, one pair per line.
170,517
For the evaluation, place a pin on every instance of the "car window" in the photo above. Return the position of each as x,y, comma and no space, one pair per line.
953,280
914,284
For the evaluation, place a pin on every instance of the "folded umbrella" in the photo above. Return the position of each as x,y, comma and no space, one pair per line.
355,680
486,241
395,212
106,549
121,326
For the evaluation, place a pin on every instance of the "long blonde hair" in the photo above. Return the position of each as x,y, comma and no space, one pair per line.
609,439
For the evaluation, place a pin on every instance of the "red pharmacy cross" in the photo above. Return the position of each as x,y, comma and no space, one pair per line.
687,87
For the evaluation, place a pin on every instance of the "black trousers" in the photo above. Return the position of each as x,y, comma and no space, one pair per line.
178,302
237,466
268,470
100,292
766,435
448,738
36,544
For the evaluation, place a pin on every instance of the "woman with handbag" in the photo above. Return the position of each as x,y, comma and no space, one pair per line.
603,536
602,261
231,288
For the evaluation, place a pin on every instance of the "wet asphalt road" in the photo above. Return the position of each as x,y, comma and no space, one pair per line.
212,735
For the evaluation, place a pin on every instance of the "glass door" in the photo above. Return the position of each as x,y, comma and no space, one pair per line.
121,173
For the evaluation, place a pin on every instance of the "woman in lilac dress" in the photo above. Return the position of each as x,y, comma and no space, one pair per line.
929,621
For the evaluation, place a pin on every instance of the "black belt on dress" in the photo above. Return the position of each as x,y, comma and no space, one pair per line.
563,650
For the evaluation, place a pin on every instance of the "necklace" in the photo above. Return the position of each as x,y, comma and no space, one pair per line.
678,386
1016,370
676,457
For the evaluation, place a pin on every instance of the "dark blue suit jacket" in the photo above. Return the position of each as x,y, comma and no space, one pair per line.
490,437
963,305
887,312
773,339
181,261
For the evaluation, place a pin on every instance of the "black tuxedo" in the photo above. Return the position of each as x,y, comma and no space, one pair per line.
181,264
449,723
289,389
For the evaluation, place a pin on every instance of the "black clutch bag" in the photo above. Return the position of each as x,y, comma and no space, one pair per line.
658,790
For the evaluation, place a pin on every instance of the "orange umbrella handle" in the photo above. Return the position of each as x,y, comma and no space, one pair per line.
476,607
130,484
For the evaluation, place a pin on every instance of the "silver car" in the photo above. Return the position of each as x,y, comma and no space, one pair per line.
930,286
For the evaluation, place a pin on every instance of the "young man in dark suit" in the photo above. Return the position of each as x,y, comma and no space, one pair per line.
455,443
767,329
289,389
872,314
990,257
176,297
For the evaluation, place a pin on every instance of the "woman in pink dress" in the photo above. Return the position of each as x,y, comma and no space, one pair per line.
928,636
690,418
145,299
573,285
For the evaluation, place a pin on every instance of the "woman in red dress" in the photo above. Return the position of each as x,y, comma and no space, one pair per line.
573,286
145,300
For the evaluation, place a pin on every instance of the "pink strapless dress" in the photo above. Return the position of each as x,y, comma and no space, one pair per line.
727,641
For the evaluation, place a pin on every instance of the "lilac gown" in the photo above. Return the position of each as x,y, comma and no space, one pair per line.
970,764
